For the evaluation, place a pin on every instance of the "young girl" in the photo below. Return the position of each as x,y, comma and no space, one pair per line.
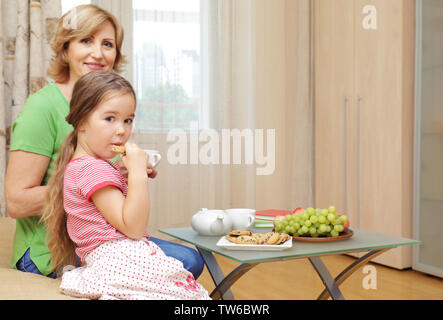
93,213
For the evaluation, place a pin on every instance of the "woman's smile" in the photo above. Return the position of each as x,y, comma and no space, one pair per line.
94,66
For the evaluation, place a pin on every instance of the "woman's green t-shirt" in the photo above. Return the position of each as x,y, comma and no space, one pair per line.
40,128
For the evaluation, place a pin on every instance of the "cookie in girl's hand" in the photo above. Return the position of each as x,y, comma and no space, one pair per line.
118,149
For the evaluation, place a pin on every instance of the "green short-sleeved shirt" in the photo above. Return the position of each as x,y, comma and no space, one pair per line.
40,128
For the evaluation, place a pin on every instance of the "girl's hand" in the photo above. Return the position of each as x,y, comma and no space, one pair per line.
135,160
152,173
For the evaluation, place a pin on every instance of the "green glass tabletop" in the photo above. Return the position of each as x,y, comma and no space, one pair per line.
362,240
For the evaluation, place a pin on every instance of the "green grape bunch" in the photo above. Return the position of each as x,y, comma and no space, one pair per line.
312,222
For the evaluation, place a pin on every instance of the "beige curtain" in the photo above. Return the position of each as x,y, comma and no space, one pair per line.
300,124
25,31
272,89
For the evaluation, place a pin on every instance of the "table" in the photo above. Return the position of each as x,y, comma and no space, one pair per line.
362,240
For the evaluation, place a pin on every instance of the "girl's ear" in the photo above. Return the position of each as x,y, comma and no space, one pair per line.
81,126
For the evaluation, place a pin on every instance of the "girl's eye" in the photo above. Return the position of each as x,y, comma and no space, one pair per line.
85,41
129,121
110,119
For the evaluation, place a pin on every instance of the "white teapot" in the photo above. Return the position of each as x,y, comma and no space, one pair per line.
211,222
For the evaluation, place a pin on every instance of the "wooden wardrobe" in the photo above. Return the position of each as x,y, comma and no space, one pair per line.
364,109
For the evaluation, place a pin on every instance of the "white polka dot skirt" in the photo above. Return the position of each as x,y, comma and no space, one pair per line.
130,269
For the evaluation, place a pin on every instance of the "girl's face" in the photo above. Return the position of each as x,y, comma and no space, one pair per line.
110,123
96,52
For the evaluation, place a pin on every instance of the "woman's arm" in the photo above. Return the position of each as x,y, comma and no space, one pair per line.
23,194
128,215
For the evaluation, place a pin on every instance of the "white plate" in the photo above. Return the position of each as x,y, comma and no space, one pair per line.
223,243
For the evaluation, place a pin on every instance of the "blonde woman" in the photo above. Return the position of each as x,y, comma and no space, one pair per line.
87,38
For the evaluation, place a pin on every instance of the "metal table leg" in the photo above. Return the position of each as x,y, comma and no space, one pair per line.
325,276
221,282
332,290
346,273
229,280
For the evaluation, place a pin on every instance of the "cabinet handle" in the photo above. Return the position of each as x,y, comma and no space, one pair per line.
345,147
357,162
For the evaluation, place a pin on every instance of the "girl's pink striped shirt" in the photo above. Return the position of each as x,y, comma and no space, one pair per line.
86,225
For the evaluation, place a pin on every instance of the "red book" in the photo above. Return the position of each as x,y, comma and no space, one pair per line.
271,214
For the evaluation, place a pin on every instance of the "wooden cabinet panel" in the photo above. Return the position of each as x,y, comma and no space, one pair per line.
334,35
364,165
378,55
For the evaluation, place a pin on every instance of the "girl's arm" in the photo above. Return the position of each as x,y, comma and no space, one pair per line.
128,215
24,195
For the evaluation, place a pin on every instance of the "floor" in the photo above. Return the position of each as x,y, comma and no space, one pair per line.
296,279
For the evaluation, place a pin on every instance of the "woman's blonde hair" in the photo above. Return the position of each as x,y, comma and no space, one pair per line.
81,22
89,91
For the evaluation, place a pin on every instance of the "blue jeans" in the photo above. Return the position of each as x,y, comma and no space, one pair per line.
191,259
25,264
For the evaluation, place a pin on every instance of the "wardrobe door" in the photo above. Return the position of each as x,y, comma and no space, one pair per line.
428,210
384,121
333,98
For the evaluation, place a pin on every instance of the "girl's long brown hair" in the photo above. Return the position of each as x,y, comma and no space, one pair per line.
89,91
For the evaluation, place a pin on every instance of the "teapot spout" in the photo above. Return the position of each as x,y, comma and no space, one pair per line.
217,225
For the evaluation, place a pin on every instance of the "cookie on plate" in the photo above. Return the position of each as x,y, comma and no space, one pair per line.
272,238
246,240
283,238
231,238
235,233
260,237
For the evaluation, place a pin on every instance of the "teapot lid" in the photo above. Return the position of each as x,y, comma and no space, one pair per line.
206,210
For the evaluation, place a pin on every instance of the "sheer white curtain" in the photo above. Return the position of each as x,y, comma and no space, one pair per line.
205,68
176,73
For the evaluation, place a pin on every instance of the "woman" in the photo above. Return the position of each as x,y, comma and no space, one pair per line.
87,38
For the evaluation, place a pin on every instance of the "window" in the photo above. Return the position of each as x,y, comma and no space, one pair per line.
166,63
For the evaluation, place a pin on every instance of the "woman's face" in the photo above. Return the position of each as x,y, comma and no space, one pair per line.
97,52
